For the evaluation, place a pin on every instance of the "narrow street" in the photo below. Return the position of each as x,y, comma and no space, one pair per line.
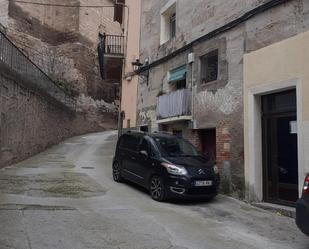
66,198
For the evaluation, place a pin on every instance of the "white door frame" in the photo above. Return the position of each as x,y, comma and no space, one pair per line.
254,164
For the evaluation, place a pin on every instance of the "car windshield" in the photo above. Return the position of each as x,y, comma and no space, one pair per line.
173,147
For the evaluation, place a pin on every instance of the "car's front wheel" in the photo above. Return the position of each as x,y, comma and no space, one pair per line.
117,172
157,190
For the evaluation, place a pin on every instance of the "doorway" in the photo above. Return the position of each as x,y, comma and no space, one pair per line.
279,143
208,143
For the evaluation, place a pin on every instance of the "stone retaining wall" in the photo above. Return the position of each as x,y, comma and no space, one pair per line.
30,123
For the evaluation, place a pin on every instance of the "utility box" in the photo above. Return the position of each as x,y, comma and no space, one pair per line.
190,58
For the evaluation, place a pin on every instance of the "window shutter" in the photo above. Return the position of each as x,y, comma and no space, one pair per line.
118,11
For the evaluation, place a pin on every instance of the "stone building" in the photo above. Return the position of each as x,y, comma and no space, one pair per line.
193,55
63,41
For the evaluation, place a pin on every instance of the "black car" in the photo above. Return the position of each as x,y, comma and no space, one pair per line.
302,209
168,166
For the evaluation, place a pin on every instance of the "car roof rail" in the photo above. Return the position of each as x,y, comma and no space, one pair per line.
136,131
164,132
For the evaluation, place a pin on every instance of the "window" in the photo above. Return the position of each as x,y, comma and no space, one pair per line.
118,11
147,146
279,102
209,67
173,25
180,84
130,142
177,77
144,146
168,22
172,147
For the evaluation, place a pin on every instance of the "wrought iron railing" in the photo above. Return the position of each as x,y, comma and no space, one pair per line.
174,104
114,45
17,62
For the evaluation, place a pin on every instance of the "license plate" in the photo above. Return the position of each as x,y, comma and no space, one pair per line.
203,183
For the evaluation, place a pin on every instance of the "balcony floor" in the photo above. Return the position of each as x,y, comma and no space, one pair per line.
174,119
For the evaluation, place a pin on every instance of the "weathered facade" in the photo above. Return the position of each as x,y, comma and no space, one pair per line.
200,47
63,41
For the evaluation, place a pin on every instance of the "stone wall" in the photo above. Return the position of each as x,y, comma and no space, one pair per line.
4,17
95,20
30,123
193,20
63,42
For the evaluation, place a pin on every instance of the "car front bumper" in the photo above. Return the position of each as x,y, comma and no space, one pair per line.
302,216
183,187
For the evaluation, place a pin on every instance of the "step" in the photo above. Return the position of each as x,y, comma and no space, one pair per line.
279,209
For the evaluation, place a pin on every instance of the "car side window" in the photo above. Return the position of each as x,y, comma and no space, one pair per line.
121,141
146,147
130,142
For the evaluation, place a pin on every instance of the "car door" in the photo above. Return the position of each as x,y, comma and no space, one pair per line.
146,163
121,151
129,155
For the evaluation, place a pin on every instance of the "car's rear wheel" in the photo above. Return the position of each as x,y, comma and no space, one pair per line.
157,190
117,172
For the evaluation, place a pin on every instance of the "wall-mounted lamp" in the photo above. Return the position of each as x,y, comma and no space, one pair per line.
136,64
141,69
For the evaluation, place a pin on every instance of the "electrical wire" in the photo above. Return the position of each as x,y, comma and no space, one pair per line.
64,5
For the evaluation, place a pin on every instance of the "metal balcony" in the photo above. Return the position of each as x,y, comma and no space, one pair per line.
176,104
111,52
114,45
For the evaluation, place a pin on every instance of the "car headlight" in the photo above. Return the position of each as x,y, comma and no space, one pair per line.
216,169
174,169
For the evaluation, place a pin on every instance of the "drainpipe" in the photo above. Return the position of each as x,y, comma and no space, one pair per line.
101,54
191,62
120,114
192,89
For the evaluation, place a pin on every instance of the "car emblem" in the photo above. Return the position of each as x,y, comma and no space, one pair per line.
201,172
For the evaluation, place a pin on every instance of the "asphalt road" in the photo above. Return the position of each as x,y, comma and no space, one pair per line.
66,198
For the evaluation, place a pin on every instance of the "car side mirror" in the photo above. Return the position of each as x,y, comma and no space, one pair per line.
144,153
